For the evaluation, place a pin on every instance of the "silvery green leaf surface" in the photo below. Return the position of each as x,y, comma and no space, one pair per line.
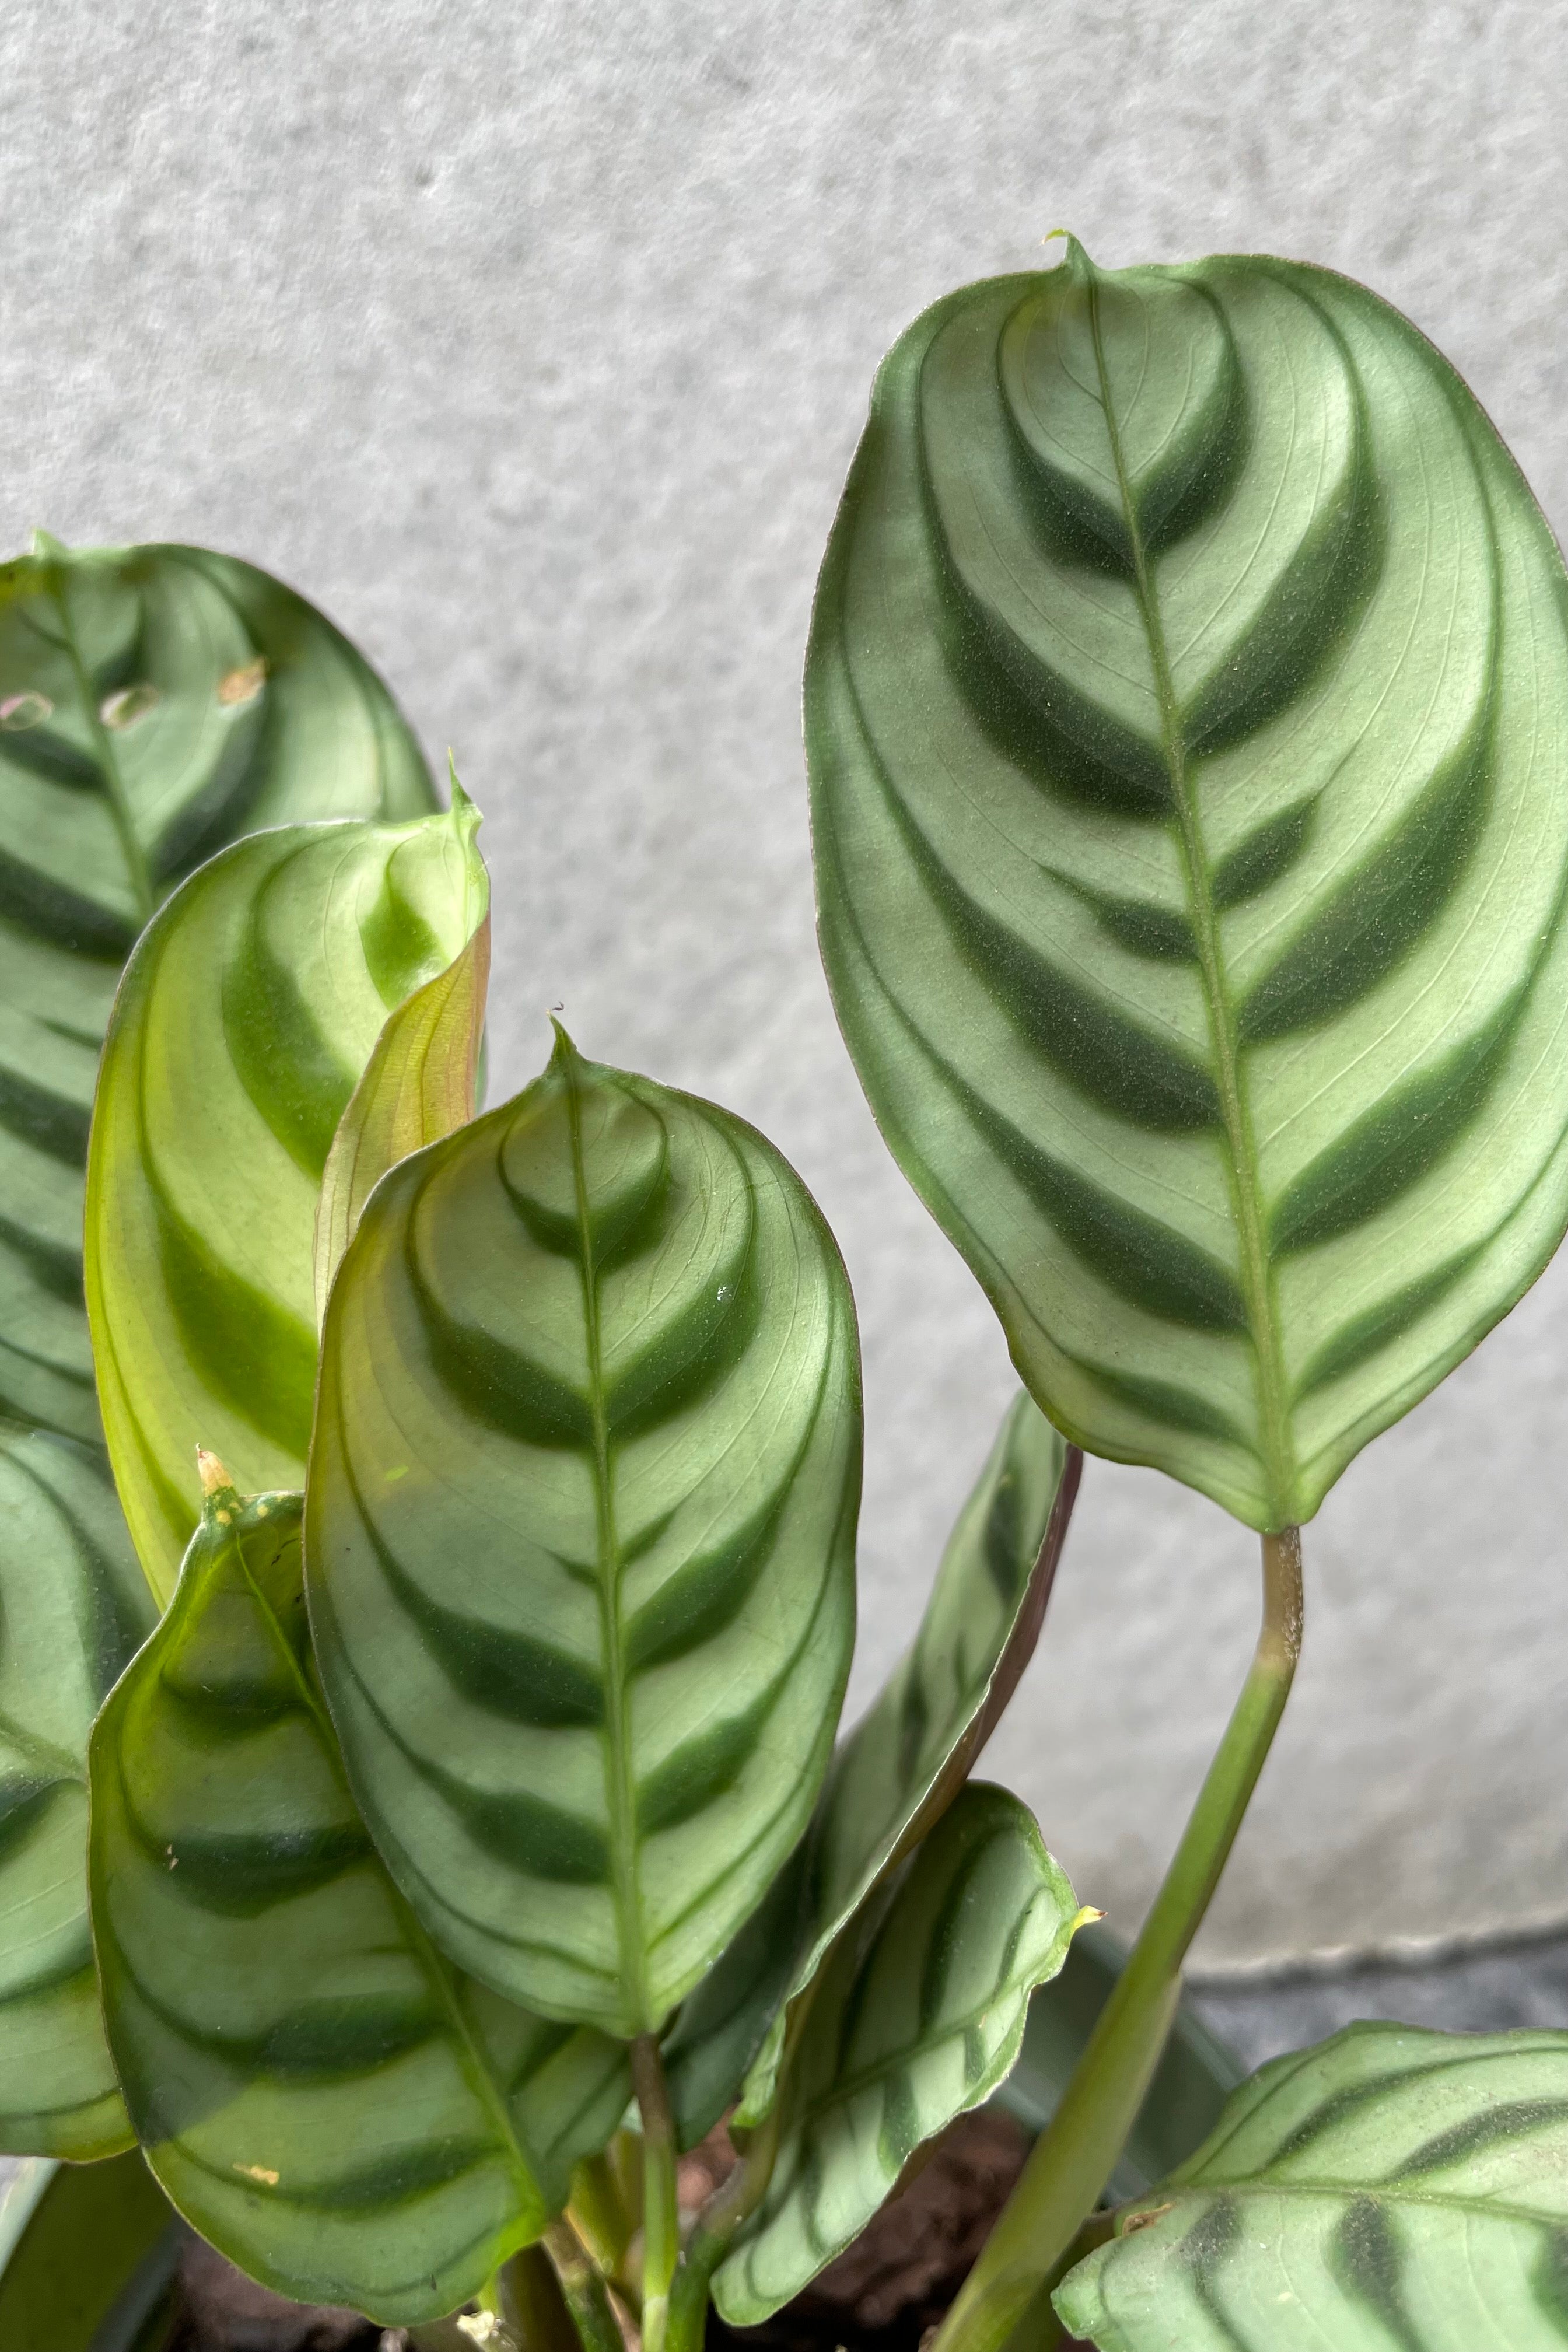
919,1740
155,703
73,1608
918,2014
579,1533
1391,2190
248,1011
1187,707
318,2090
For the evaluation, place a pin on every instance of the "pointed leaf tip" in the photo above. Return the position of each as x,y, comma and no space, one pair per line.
462,802
565,1054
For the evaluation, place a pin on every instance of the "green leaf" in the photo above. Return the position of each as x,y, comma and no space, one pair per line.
246,1016
1187,706
73,1608
155,703
920,1737
917,2015
581,1530
317,2089
1391,2190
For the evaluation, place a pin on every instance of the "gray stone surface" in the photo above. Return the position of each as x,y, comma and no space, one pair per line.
532,342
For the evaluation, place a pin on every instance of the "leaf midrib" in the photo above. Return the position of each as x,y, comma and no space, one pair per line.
1241,1149
620,1791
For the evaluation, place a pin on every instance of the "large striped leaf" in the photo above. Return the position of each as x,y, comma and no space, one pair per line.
73,1607
917,2015
1392,2190
155,703
579,1533
919,1738
1188,710
248,1011
315,2087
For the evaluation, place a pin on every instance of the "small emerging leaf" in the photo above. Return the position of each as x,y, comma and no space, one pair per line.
917,2015
73,1608
579,1533
241,1030
318,2090
1392,2187
1187,712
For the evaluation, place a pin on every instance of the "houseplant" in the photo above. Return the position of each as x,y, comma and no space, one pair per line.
1187,708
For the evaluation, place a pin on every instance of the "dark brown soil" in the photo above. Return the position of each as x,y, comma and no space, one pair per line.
882,2295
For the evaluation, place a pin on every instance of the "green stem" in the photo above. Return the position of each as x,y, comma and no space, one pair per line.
734,2201
661,2212
1077,2152
583,2290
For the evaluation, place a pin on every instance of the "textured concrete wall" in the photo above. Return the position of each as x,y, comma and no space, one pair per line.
532,340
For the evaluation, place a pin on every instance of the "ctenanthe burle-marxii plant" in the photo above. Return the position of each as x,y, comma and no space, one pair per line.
423,1815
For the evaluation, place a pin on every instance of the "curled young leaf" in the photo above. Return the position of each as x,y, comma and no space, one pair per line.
318,2090
73,1607
1187,706
247,1015
917,2015
579,1533
914,1747
1390,2187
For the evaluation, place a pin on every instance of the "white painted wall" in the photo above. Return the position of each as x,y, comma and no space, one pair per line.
532,340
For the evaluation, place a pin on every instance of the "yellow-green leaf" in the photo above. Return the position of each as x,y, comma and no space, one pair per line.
245,1020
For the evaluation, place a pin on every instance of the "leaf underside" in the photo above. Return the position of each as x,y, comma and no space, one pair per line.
1391,2190
318,2090
247,1017
1188,710
911,1753
917,2015
580,1533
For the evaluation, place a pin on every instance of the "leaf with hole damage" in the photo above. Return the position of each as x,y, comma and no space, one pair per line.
1187,705
920,1737
917,2015
73,1607
241,1036
579,1533
1392,2187
319,2090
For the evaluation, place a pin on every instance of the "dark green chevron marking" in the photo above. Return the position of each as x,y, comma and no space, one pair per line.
580,1529
1391,2190
249,1010
319,2090
919,2014
73,1608
1186,706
